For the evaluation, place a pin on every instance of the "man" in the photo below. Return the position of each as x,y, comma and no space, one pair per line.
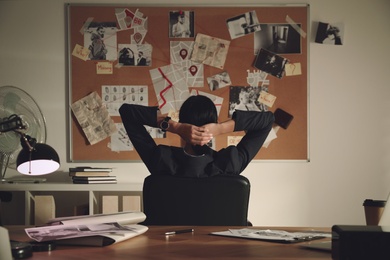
247,101
141,61
197,126
98,48
181,29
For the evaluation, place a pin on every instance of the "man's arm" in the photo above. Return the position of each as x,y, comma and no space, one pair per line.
198,135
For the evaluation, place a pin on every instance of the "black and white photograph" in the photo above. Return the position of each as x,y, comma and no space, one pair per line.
270,63
329,34
245,98
243,24
135,54
181,24
219,80
101,40
278,38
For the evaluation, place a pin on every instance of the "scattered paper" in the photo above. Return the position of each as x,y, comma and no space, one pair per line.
93,118
210,50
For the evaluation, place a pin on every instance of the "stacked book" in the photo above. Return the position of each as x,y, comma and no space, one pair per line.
91,175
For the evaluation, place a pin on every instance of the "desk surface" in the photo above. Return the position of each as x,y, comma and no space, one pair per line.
198,245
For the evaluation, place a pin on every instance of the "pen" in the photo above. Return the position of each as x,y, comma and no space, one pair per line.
179,231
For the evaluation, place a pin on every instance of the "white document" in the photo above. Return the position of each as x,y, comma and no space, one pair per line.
94,230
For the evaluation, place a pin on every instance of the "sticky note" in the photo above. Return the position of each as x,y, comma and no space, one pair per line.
104,67
233,140
267,98
293,69
81,52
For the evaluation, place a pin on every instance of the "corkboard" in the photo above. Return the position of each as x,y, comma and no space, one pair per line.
291,91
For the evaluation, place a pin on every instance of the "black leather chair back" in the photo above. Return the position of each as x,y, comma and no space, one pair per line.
221,200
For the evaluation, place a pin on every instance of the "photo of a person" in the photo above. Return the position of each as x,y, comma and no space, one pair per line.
329,34
100,38
141,61
271,63
126,57
219,80
98,48
244,99
135,54
181,24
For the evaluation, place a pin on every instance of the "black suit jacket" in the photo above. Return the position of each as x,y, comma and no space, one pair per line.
163,159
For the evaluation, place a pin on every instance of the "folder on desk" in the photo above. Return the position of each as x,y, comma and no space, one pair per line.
279,236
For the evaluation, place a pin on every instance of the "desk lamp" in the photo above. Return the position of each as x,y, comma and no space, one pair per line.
34,158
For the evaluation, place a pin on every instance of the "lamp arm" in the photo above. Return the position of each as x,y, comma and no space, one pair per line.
27,141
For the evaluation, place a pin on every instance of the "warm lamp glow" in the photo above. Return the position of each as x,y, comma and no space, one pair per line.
43,159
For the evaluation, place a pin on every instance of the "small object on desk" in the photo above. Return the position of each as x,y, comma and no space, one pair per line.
21,250
179,231
27,179
360,242
43,246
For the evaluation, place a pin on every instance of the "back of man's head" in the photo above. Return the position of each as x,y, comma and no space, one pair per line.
198,110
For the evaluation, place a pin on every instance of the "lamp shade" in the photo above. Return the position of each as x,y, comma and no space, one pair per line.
43,159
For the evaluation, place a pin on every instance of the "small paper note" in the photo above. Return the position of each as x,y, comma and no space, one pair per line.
174,115
81,52
233,140
293,69
267,98
104,67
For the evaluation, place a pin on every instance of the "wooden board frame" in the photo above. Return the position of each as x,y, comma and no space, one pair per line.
291,92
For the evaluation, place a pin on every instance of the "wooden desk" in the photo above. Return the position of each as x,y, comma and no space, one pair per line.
199,245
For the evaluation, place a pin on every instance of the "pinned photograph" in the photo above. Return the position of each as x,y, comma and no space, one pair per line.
278,38
219,80
271,63
100,39
181,24
243,24
135,54
329,34
245,98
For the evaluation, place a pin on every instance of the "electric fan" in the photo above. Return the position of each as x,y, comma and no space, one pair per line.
17,105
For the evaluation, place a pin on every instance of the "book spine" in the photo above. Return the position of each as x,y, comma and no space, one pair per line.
87,174
89,169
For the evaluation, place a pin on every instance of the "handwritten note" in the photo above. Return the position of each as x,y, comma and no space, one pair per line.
81,52
104,67
233,140
293,69
267,98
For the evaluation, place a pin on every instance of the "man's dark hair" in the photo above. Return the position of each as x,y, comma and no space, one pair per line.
198,110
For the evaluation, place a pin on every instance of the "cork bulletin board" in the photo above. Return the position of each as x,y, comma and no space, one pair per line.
217,51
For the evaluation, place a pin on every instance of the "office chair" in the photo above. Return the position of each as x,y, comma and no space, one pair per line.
221,200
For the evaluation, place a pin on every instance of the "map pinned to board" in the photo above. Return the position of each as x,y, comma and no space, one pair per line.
170,86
